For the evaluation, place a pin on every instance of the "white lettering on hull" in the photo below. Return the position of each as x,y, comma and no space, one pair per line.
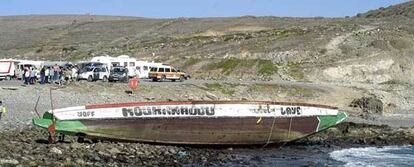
197,110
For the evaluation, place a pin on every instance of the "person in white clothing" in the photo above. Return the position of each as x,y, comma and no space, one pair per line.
74,73
26,75
47,72
33,74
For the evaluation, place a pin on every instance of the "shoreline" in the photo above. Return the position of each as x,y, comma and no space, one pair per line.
28,146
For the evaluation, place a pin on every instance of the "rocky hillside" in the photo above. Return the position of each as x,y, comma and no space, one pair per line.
405,9
356,49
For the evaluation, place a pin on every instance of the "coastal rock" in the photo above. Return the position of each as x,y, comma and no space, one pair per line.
75,145
390,108
172,151
221,156
370,105
8,162
80,161
211,96
55,150
351,133
114,151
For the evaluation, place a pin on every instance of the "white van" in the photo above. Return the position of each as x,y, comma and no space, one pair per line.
122,60
143,68
93,73
29,64
128,63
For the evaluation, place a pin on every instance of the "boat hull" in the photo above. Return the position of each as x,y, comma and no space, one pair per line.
223,130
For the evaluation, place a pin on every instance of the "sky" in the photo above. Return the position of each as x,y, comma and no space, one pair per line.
195,8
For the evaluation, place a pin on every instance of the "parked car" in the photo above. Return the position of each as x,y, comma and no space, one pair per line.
92,73
163,73
118,74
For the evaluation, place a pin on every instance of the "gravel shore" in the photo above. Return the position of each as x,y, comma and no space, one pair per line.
27,147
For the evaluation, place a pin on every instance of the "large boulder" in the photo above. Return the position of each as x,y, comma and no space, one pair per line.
370,105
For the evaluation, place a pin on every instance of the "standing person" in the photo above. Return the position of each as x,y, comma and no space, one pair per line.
52,75
74,73
32,76
24,78
2,109
47,74
27,76
56,71
42,75
66,75
61,75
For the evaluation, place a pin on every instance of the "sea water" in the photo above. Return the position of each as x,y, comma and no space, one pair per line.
375,156
321,155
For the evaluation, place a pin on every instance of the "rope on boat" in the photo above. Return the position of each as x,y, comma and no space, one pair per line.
35,108
271,129
290,126
51,102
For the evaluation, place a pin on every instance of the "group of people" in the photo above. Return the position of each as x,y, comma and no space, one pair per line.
29,75
53,74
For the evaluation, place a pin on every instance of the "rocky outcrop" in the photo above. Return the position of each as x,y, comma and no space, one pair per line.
26,147
371,72
362,134
369,105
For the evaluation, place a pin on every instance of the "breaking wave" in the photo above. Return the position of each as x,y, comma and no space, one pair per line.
375,156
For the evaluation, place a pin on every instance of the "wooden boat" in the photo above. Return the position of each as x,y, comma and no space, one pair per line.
194,122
